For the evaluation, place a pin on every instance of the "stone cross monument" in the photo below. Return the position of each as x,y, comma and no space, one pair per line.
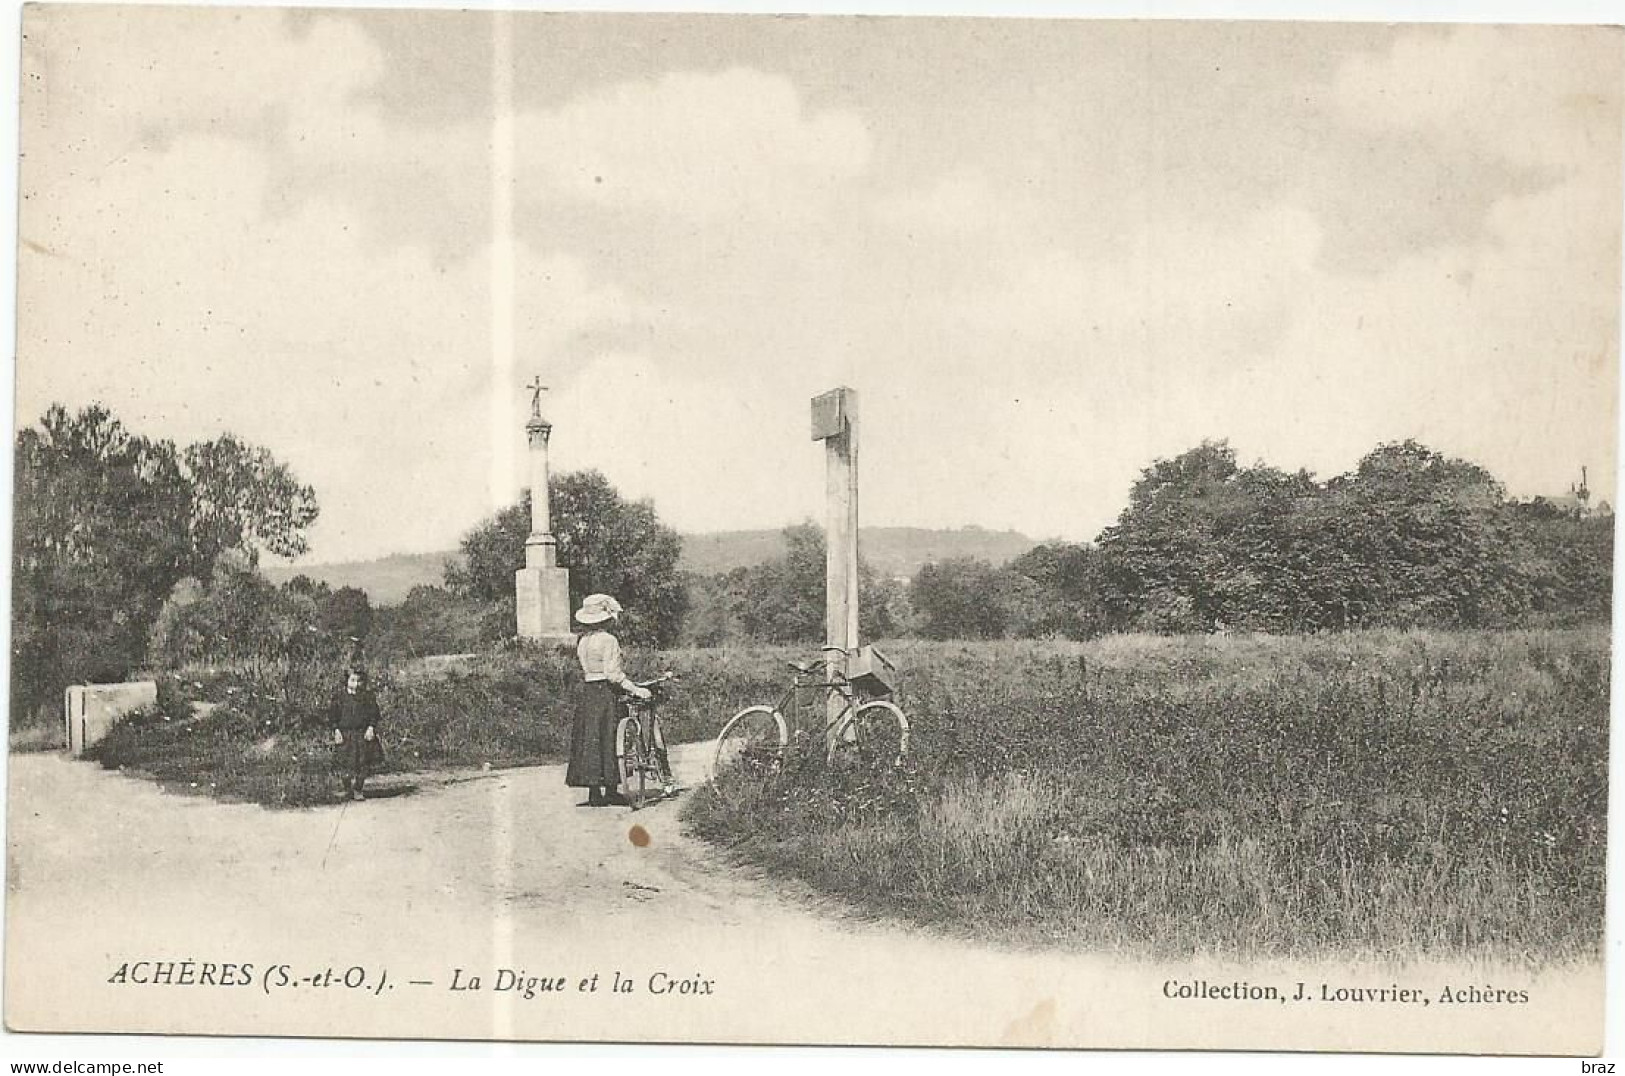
541,587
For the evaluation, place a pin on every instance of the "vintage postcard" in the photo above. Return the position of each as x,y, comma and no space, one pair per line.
813,530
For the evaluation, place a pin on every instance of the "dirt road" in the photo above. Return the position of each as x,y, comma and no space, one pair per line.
503,879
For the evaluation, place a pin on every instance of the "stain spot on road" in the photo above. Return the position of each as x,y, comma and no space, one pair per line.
638,836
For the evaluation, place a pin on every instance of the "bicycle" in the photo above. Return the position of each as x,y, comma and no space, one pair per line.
873,729
640,749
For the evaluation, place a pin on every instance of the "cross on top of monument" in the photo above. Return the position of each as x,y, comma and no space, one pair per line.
536,389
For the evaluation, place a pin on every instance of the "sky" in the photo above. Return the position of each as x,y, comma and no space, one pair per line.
1044,253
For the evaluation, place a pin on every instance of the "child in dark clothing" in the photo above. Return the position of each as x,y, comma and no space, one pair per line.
355,722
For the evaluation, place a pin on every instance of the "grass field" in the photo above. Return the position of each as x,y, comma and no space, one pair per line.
1376,793
1382,792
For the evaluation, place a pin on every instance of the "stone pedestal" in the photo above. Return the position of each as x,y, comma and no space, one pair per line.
542,593
542,596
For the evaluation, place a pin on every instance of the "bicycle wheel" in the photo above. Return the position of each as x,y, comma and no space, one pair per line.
660,758
876,732
631,760
754,738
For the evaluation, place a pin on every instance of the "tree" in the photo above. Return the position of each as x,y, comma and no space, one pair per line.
304,586
100,540
240,615
611,546
1162,558
884,609
347,614
1069,596
491,553
1431,539
1566,558
966,598
620,547
709,620
244,499
108,522
783,600
1409,538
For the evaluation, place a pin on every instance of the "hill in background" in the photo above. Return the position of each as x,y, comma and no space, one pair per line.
892,551
386,580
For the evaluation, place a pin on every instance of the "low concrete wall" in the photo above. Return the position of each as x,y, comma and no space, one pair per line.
91,710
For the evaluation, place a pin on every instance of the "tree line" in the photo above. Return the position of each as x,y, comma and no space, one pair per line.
1409,538
131,553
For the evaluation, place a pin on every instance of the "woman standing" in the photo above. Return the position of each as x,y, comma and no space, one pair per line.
592,733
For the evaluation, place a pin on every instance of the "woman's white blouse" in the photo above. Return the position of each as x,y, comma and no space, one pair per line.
600,655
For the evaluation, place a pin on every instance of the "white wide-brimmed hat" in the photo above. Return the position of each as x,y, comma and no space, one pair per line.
597,608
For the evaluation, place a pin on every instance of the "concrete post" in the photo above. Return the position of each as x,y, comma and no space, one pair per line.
835,417
91,710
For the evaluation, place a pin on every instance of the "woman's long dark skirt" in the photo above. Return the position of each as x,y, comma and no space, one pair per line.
592,738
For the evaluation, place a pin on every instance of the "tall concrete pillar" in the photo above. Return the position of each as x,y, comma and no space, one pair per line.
541,587
835,422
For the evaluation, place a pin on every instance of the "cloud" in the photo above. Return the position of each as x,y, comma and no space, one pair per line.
167,293
126,82
134,77
1503,351
702,450
697,252
1079,366
734,149
1539,95
957,201
238,263
694,143
1182,294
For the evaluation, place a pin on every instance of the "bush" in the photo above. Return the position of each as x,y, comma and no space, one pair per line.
261,734
434,621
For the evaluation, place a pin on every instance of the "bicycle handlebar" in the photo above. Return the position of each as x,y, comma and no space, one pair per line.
875,650
823,663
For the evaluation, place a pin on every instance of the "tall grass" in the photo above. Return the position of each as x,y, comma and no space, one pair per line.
1383,792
